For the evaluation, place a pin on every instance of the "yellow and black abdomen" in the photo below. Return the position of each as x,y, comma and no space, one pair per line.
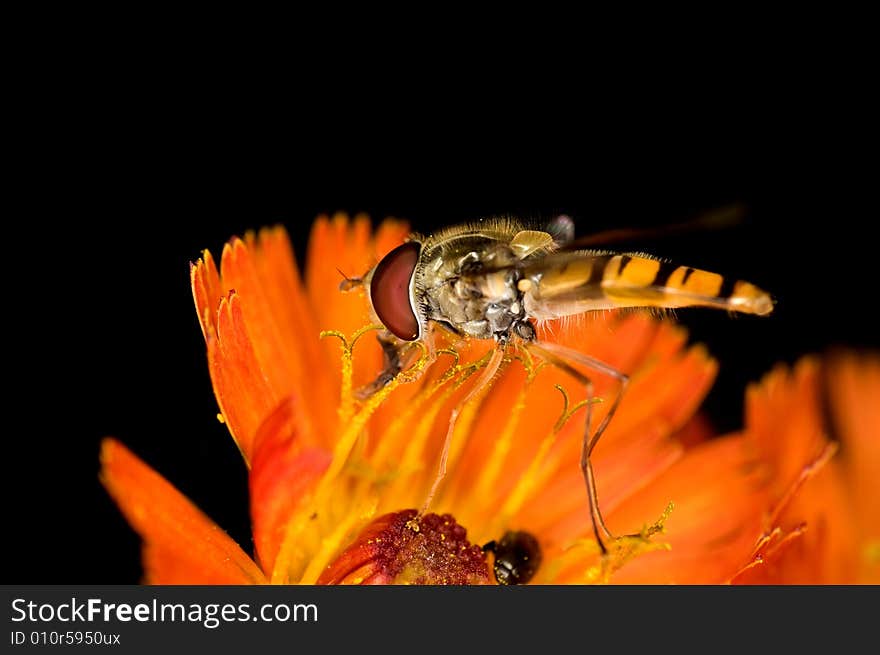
572,283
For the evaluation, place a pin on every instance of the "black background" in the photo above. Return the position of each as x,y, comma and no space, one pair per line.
104,339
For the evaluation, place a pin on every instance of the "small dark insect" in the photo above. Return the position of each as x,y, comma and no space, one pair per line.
517,557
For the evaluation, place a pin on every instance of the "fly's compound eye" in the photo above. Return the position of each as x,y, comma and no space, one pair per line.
389,291
517,557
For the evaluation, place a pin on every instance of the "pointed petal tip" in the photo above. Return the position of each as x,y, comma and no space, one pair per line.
191,548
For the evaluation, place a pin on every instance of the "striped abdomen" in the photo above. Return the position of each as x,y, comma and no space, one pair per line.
572,283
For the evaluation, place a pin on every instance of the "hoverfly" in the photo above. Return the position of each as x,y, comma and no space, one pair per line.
492,280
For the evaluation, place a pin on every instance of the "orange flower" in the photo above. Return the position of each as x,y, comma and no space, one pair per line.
333,479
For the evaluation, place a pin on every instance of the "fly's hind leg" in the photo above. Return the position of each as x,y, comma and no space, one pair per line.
561,357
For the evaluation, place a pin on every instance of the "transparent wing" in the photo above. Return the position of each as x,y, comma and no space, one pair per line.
718,219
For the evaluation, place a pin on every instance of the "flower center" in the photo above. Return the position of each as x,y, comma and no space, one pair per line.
403,548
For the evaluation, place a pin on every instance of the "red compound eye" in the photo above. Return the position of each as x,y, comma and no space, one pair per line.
389,291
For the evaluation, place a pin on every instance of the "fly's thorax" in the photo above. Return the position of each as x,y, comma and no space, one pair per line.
471,287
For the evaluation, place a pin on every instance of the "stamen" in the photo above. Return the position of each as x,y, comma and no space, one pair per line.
620,551
542,466
806,473
346,398
390,444
412,461
524,486
352,432
564,416
566,413
768,545
532,477
489,474
414,455
413,373
486,482
624,549
319,506
773,539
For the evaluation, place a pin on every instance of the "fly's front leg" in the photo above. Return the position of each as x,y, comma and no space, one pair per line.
561,357
485,378
397,356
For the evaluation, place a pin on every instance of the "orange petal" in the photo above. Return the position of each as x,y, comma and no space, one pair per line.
181,544
543,402
853,384
784,420
279,321
719,496
559,512
837,505
207,290
338,245
243,393
667,384
342,245
766,507
273,341
816,543
696,431
287,300
283,474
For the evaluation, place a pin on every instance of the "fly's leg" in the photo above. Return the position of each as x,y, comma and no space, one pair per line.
397,356
560,356
484,379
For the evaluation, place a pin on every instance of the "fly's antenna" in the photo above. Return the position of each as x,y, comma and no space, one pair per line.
349,283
